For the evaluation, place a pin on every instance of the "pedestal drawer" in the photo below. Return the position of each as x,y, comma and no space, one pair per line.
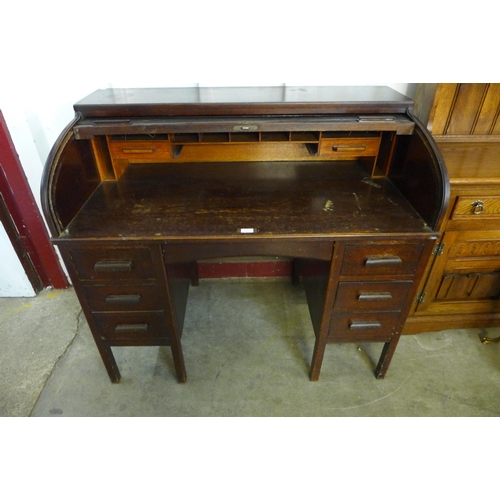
384,259
363,327
140,327
113,263
372,296
124,298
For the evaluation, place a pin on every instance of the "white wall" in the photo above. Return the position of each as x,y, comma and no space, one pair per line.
55,52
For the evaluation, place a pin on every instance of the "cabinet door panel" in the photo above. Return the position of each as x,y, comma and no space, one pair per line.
465,278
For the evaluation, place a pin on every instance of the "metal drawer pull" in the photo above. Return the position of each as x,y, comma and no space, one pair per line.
138,150
113,266
132,328
123,299
364,325
342,147
374,296
383,261
477,207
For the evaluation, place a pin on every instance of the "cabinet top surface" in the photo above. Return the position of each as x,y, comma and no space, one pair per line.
242,100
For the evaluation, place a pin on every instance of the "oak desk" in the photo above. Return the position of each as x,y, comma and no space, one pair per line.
144,183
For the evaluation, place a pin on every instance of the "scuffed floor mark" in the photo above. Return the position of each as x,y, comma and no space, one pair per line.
375,400
433,342
16,310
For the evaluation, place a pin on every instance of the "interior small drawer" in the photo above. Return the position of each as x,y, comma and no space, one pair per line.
372,295
140,150
349,147
124,298
363,327
476,208
137,326
381,259
120,263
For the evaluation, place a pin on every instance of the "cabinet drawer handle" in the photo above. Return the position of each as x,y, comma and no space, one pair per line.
374,296
364,325
113,266
138,150
383,261
131,328
123,299
361,147
477,207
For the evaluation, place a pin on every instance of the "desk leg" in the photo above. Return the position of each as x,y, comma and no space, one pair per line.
177,355
317,360
386,357
109,361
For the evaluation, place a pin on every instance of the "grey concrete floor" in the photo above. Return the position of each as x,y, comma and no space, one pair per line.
247,346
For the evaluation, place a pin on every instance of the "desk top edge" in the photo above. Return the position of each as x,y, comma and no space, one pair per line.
212,101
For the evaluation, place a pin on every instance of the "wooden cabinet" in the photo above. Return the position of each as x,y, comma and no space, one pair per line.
462,285
144,183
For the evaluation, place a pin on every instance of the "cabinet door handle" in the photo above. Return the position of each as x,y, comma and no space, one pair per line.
113,266
477,207
123,299
131,328
383,261
374,296
364,325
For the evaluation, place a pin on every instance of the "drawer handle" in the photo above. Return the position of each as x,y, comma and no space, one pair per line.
343,147
477,207
374,296
383,261
114,266
138,150
364,325
131,328
123,299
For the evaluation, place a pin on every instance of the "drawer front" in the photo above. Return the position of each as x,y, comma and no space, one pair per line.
349,147
367,327
140,150
372,296
136,326
476,208
120,263
383,259
123,298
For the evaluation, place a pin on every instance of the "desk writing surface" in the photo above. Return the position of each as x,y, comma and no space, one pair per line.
269,198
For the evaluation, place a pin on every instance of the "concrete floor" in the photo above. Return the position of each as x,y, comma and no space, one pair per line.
247,345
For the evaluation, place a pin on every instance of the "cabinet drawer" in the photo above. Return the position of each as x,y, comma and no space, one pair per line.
349,147
137,326
383,259
476,208
123,298
120,263
140,150
357,327
372,296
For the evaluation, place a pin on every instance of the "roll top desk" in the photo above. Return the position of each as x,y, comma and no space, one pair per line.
144,183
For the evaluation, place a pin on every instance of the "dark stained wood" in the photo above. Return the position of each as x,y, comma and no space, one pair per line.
146,182
225,101
219,200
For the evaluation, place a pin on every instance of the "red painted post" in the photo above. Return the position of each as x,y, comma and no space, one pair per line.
24,211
